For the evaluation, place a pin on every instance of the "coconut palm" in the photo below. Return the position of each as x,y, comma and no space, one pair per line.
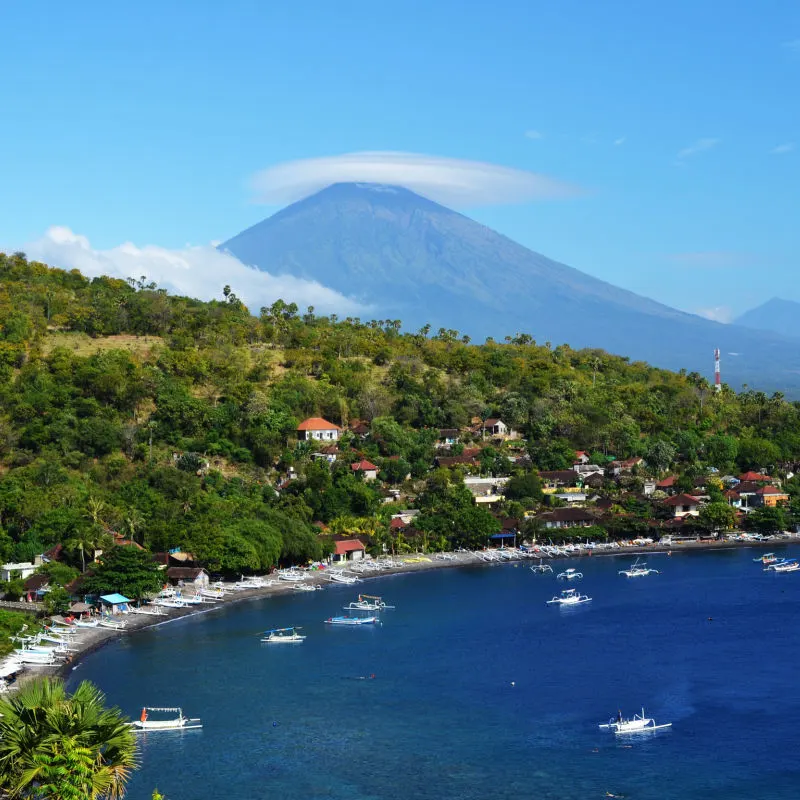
54,746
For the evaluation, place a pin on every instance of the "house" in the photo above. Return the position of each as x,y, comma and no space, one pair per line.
448,437
495,427
486,490
769,496
36,587
191,577
114,603
348,550
359,428
456,461
581,457
667,484
747,492
622,467
367,469
568,518
329,453
648,487
398,524
23,569
319,429
755,477
555,479
683,505
585,470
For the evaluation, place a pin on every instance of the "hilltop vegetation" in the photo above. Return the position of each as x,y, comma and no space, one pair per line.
179,436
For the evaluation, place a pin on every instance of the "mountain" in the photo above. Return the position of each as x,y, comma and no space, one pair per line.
412,259
776,315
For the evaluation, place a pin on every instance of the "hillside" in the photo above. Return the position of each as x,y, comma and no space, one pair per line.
776,315
415,260
172,422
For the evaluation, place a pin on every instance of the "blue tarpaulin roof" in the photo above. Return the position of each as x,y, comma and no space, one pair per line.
114,599
502,535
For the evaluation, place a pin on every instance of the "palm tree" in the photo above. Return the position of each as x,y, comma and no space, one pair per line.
59,747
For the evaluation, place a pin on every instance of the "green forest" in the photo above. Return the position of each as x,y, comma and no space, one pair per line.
171,422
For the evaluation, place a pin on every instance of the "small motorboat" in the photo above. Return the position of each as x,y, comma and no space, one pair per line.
348,620
570,575
767,558
541,568
569,597
283,636
638,569
179,723
639,723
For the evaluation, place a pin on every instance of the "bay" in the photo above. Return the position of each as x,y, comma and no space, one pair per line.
480,689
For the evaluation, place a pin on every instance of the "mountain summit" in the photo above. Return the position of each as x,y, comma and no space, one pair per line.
415,260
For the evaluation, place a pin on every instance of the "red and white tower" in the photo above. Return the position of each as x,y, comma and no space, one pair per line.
717,378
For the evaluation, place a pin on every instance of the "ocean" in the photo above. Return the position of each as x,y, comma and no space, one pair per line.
473,687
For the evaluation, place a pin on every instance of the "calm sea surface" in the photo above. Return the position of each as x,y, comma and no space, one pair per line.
480,689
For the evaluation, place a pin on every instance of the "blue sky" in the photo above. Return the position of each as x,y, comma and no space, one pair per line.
145,122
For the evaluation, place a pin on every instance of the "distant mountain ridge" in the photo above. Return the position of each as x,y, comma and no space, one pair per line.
776,315
415,260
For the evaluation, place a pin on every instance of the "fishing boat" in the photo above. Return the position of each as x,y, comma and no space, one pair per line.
306,587
569,597
113,624
86,623
367,602
638,569
283,636
348,620
767,558
787,565
340,577
570,574
291,576
639,723
541,568
145,723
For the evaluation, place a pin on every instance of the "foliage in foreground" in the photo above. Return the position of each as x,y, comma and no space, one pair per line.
55,746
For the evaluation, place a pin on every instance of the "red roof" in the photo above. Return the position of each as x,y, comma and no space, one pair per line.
340,548
770,490
363,466
754,476
397,524
579,453
681,500
317,424
666,483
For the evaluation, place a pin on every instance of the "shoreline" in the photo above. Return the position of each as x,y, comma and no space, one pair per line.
96,638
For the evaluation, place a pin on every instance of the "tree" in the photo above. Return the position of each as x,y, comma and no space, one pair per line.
527,486
771,519
127,570
717,517
660,456
54,746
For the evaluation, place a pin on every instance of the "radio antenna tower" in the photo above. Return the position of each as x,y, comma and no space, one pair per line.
717,378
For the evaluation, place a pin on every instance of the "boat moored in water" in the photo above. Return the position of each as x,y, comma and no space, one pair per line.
767,558
283,636
639,723
346,619
569,597
145,723
570,574
541,568
784,565
367,602
638,569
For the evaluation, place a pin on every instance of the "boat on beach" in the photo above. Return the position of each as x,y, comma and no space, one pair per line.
145,723
569,597
307,587
639,723
346,619
638,569
283,636
570,574
339,577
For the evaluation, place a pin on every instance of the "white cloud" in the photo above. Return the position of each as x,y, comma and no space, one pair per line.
451,181
782,149
193,271
717,314
700,146
532,134
621,140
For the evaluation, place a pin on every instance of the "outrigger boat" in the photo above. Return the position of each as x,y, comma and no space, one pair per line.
348,620
283,636
638,570
306,587
787,565
569,597
367,602
767,558
570,574
637,724
541,568
179,723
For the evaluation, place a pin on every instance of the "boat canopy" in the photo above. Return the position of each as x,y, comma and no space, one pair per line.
114,599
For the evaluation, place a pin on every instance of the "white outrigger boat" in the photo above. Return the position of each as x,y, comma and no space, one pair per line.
639,723
283,636
541,568
367,602
348,620
787,565
339,577
570,574
569,597
638,569
307,587
767,559
179,723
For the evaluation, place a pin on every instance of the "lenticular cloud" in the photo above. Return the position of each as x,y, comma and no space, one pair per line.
193,271
450,181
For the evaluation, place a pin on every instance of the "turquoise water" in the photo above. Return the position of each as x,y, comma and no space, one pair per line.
480,689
